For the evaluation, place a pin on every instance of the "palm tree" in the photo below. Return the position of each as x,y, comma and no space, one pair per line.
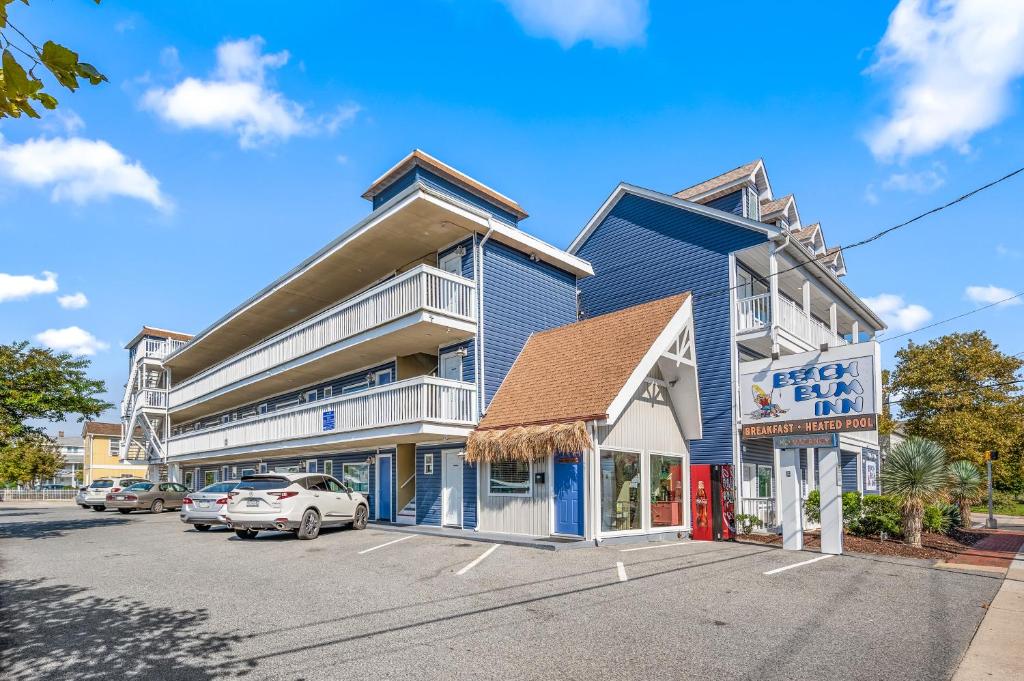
966,488
915,474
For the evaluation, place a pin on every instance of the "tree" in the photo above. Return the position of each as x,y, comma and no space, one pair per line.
961,391
966,488
28,459
916,475
20,88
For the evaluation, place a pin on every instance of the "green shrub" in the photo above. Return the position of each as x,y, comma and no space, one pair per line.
940,518
812,507
747,523
880,516
851,507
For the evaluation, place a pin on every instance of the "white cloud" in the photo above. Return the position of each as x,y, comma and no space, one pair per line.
987,295
18,286
923,182
953,63
341,117
78,170
236,98
606,23
896,313
63,121
74,301
72,339
1004,251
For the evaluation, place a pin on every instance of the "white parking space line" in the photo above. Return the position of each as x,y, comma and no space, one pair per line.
478,560
388,543
795,565
622,571
657,546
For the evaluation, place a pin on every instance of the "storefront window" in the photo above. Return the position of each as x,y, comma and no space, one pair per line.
620,491
356,476
509,477
666,491
764,481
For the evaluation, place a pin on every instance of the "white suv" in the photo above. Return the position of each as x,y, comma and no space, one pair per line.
300,502
94,495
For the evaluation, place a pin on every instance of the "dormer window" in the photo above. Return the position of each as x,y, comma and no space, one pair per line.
753,204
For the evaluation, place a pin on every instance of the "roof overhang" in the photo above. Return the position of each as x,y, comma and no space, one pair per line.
758,178
160,333
624,189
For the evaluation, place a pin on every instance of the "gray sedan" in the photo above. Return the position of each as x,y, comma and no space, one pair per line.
148,496
202,509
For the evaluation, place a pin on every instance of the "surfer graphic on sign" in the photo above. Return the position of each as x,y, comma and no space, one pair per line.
766,408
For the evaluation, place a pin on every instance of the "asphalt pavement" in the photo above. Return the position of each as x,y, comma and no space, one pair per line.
86,595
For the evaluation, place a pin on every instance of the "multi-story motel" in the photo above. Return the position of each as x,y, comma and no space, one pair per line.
374,358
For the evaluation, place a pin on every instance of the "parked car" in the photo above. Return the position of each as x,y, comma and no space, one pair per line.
148,496
51,486
202,509
94,495
300,502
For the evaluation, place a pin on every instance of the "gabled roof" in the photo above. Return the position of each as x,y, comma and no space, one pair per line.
425,160
784,207
158,333
834,258
748,173
100,428
578,371
811,236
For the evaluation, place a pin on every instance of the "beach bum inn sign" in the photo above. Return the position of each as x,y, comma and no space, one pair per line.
812,392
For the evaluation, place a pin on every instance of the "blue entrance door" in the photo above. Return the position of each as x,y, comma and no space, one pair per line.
569,494
384,486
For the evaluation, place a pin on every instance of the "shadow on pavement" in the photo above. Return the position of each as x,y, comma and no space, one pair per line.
57,631
48,529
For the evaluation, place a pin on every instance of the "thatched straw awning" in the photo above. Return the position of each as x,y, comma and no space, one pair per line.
525,443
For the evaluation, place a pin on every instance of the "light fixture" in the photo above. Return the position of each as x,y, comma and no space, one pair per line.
823,347
533,257
775,354
462,352
460,251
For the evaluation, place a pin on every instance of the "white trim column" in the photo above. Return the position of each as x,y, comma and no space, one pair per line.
831,502
790,501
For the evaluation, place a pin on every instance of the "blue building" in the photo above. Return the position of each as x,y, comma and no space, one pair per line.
370,360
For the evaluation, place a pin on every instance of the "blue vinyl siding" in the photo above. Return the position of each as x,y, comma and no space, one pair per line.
468,362
519,298
428,488
730,203
467,258
469,488
418,174
644,250
848,461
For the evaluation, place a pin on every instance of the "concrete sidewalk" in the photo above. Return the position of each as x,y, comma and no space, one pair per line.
997,651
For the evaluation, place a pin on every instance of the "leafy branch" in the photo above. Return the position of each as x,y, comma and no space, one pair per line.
21,89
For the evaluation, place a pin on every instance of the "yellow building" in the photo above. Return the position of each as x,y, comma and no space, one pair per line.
101,453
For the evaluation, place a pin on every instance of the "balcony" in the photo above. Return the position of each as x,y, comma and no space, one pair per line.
418,409
754,315
153,348
416,311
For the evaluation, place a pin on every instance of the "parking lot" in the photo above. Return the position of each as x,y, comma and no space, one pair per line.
87,595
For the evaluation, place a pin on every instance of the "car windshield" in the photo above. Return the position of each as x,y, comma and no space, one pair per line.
100,484
140,487
219,487
262,484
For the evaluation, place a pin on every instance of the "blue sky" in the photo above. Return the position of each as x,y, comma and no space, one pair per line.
233,139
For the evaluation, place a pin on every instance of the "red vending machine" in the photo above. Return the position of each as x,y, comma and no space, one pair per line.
712,502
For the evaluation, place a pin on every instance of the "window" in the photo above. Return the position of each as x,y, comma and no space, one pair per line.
209,478
356,476
328,392
333,485
764,481
428,464
219,487
666,490
189,477
115,446
248,471
311,465
234,472
224,473
382,377
620,491
316,483
753,204
509,478
226,418
263,468
263,484
263,408
328,467
311,396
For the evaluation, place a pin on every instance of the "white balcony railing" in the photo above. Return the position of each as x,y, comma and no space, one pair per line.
153,347
422,288
424,398
754,314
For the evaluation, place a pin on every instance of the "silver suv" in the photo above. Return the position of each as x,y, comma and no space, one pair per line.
201,509
94,495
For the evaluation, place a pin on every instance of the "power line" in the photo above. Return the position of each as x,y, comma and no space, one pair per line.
954,317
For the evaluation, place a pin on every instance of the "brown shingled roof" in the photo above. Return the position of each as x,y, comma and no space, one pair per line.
100,428
806,232
163,333
718,181
774,206
574,372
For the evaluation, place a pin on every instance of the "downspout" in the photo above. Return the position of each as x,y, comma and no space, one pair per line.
478,265
774,287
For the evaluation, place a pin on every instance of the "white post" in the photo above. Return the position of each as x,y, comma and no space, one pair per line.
833,321
806,291
811,463
855,333
830,480
791,510
773,284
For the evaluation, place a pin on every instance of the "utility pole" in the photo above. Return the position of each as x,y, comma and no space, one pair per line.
989,458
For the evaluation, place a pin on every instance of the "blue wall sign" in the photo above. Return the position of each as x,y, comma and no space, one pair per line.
329,420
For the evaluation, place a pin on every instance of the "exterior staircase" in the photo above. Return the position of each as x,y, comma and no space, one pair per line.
407,516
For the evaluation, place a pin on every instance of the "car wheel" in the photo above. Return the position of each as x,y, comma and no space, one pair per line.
126,511
158,506
85,506
99,508
359,522
246,534
201,528
309,528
